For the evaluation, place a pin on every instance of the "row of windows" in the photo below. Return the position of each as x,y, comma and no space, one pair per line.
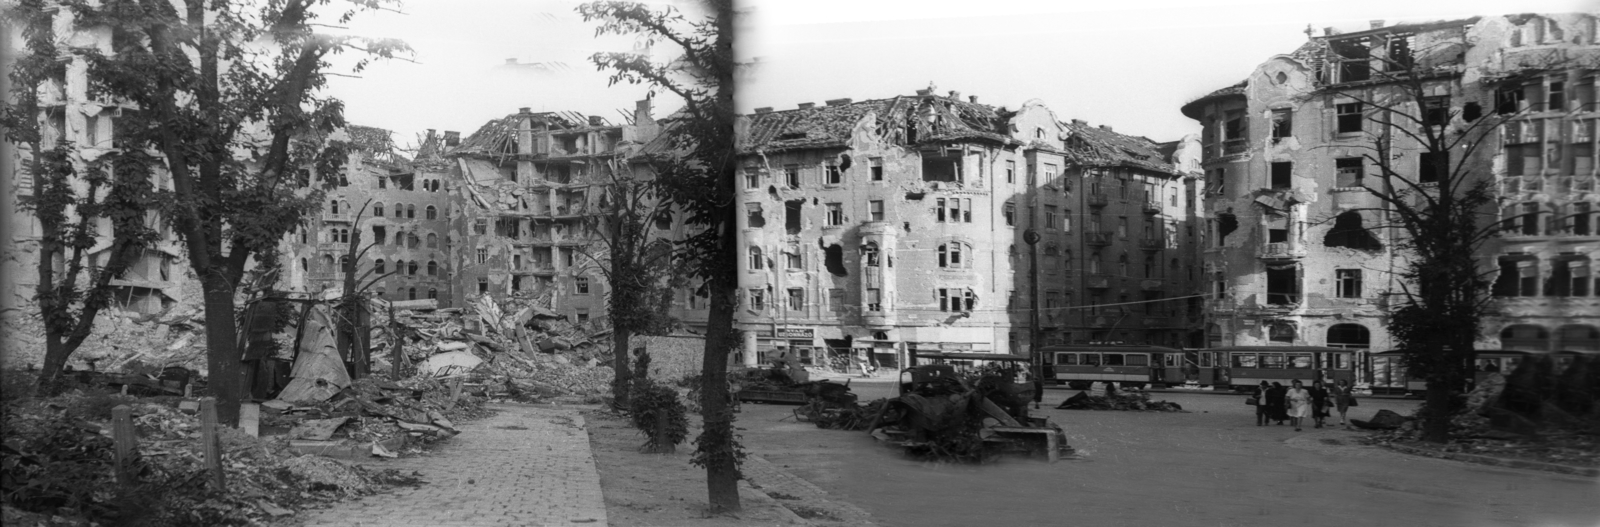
409,211
951,299
1521,276
1534,219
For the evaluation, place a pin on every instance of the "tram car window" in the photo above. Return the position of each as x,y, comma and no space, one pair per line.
1091,359
1244,360
1272,360
1138,360
1066,359
1301,361
1113,359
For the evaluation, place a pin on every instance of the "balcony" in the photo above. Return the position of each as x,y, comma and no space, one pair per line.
1099,200
1151,207
1151,244
1097,238
342,217
1098,281
1235,147
1280,252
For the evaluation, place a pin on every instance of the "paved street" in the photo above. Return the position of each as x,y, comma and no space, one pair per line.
526,466
1211,466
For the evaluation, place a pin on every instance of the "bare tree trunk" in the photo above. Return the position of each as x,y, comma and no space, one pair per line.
223,367
622,376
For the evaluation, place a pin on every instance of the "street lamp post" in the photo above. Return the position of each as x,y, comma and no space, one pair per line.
1031,236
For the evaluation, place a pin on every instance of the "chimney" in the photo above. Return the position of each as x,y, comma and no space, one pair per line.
595,120
1377,24
525,110
1329,31
973,99
641,112
838,102
1105,127
955,95
764,109
807,105
452,138
924,93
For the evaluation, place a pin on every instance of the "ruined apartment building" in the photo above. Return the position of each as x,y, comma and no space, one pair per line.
1295,253
398,207
1538,72
530,186
69,113
896,225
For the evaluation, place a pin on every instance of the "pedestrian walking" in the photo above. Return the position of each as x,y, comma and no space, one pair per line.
1319,402
1275,403
1299,400
1343,398
1261,403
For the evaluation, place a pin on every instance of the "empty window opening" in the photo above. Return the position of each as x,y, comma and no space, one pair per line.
1349,117
833,259
876,164
757,219
1351,171
791,215
1283,285
1436,110
1568,277
1433,167
1519,276
1348,232
1281,172
1226,224
1282,123
941,166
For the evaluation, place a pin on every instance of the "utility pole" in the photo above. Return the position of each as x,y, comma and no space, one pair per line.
1031,236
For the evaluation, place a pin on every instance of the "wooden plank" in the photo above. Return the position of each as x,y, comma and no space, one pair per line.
126,443
211,442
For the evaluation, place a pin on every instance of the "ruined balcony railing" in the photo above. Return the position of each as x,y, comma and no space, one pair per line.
1235,146
1097,238
1098,200
1152,207
336,216
1280,251
1152,244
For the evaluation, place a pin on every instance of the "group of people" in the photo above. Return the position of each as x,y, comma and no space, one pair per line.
1276,403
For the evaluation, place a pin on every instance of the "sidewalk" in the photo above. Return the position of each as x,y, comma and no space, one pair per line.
527,465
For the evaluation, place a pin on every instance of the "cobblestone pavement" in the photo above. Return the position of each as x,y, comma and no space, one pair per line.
527,465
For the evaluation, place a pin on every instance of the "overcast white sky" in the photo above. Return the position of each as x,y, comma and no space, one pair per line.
1127,63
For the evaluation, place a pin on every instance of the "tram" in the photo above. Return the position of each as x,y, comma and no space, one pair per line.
1485,363
1243,367
1127,364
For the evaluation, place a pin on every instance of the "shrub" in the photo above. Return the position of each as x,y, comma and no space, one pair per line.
657,411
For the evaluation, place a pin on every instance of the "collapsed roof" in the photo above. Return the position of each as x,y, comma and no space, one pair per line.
908,120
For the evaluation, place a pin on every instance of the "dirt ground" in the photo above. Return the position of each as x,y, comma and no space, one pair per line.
664,490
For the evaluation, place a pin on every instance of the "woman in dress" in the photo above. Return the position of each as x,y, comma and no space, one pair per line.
1341,400
1261,404
1319,402
1299,403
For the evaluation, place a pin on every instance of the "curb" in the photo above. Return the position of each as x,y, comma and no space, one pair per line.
788,515
854,515
1496,461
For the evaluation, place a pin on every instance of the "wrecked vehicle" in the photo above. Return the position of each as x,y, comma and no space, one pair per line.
970,414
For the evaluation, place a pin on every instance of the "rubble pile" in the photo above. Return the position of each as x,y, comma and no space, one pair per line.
1128,400
59,457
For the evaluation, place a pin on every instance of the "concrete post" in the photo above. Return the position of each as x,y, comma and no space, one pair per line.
750,349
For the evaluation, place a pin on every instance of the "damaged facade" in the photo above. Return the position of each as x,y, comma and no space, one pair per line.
1296,250
70,114
528,188
386,201
873,229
